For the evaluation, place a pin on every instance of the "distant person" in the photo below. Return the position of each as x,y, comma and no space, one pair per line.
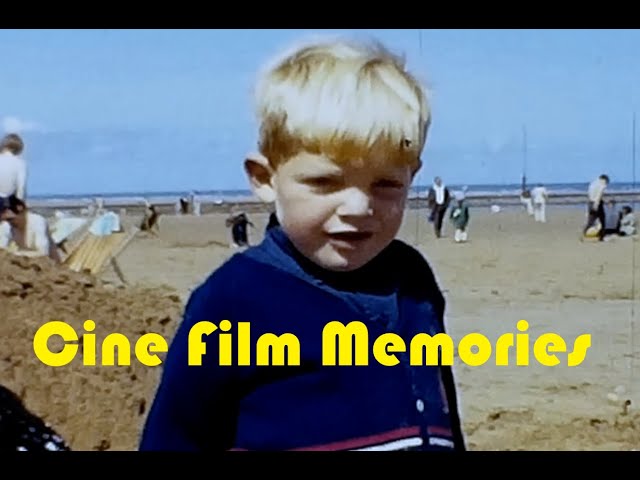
192,200
527,200
96,207
24,232
13,168
628,222
184,206
239,224
192,205
539,197
438,200
460,219
595,209
150,221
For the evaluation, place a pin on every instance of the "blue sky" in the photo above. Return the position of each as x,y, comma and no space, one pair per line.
157,110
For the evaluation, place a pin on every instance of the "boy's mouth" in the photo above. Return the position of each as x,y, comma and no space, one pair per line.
350,237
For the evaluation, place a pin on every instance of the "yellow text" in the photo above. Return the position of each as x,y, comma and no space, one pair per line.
146,347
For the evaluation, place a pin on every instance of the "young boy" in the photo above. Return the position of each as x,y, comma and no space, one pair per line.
460,219
628,224
342,127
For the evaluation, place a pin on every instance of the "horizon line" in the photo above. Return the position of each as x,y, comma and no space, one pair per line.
248,189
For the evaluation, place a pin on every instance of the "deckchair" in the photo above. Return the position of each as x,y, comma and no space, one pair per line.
67,230
92,253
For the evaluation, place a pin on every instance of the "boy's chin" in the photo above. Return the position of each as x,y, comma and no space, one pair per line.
339,262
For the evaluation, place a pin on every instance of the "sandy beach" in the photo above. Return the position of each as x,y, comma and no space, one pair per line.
511,269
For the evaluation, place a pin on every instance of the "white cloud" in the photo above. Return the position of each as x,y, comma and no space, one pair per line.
15,125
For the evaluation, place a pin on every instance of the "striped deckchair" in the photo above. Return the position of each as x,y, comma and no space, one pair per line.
92,253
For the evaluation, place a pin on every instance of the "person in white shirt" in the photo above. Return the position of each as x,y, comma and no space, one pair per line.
23,232
438,200
539,196
527,201
595,211
13,168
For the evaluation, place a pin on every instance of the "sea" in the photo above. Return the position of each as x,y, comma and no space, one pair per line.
242,196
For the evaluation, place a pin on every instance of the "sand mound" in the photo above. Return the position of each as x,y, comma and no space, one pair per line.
94,408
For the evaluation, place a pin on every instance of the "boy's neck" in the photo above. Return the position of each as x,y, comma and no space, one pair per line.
368,277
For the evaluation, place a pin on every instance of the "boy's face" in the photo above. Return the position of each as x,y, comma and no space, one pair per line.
340,216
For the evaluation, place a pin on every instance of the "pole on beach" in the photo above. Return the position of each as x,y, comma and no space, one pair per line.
631,353
524,158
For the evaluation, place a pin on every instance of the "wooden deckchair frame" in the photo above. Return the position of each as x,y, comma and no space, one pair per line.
91,253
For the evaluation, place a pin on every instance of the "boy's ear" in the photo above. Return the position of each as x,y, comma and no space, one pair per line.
260,174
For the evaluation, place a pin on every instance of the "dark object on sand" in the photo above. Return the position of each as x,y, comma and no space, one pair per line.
21,430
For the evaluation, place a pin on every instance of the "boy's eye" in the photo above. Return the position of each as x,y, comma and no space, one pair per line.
388,183
322,182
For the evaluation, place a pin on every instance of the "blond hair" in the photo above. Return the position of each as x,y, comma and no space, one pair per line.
344,99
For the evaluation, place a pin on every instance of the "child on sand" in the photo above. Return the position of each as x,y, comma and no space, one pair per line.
628,223
342,128
24,232
460,218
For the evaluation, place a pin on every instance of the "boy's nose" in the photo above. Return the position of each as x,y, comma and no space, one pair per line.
355,202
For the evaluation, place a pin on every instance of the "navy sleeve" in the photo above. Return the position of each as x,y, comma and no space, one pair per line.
193,409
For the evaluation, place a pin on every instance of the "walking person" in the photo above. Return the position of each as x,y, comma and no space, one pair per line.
438,200
595,210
